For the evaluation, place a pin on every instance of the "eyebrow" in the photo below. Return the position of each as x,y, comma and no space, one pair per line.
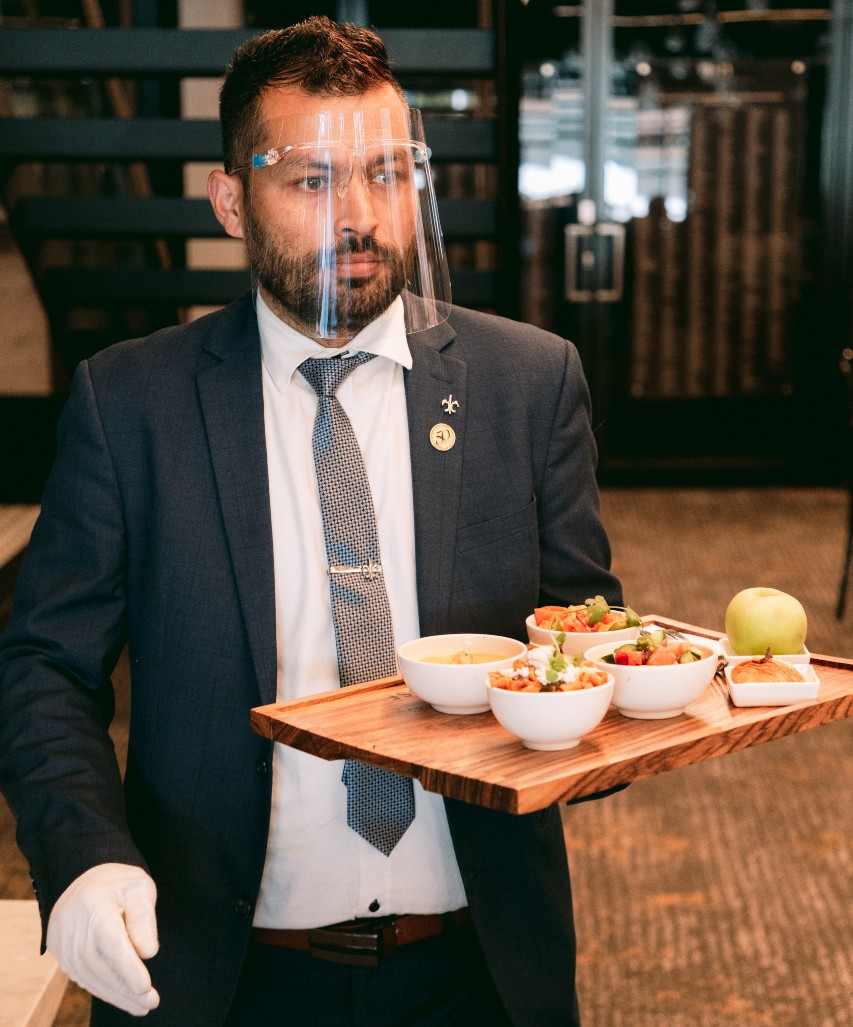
399,152
301,161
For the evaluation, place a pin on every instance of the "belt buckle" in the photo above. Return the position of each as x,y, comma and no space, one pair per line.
365,945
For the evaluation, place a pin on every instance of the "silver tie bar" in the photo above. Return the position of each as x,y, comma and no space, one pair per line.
369,569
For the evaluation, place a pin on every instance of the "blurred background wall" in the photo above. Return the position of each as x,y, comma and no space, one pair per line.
665,182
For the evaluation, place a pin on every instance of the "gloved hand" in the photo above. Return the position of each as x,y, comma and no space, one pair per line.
100,930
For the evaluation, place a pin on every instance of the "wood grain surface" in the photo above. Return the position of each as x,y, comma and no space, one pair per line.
31,985
16,525
474,759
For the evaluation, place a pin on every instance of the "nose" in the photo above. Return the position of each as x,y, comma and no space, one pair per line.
357,209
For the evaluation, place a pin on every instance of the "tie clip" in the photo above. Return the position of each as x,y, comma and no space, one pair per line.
369,569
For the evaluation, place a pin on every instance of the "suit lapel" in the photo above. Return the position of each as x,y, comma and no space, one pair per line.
435,377
231,396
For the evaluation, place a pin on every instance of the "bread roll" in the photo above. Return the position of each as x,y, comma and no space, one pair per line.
764,669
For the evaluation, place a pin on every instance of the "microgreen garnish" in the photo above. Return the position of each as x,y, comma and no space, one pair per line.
556,665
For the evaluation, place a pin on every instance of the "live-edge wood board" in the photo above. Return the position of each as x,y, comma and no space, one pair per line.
474,759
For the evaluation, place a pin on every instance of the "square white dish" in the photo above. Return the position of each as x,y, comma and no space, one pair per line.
774,693
797,658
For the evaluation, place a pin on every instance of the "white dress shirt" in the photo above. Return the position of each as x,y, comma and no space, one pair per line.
318,871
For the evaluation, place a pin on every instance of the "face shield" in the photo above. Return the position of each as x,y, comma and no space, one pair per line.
348,220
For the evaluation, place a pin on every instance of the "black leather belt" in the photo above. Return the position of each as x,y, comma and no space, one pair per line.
362,942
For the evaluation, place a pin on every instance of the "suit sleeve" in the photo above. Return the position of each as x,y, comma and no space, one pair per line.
58,767
574,550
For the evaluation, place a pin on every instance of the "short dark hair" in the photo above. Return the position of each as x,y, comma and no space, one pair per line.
318,55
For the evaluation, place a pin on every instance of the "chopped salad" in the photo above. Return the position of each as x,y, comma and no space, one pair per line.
653,649
593,615
544,668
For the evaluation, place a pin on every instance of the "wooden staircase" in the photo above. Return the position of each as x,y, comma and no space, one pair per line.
92,155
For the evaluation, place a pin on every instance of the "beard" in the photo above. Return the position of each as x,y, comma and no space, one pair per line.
309,293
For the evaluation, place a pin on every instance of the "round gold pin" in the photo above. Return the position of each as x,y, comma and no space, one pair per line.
442,436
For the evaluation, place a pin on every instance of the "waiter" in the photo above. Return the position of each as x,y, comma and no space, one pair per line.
263,504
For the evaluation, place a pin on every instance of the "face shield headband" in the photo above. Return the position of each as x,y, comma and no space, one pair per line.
347,220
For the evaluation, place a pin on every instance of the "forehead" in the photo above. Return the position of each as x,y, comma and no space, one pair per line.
288,113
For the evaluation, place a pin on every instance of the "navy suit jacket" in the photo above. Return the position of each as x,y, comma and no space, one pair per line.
155,532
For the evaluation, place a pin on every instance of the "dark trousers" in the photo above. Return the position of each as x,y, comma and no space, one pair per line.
438,982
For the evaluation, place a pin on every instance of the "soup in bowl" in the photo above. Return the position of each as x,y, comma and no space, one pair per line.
450,671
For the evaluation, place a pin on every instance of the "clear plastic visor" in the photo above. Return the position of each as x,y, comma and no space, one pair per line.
349,220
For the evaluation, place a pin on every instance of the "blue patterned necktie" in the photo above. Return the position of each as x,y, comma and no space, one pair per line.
380,804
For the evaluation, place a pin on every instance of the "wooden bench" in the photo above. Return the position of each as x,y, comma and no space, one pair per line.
31,985
16,525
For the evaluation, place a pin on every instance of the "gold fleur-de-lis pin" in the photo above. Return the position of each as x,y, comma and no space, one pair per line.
450,404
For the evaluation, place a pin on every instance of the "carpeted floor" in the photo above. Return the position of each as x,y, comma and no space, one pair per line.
718,895
721,895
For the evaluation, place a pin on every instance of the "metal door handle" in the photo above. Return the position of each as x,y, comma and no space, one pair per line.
595,263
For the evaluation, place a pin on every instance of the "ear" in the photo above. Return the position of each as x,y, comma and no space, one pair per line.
226,198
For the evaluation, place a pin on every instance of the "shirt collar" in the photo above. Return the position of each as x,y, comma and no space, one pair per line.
284,348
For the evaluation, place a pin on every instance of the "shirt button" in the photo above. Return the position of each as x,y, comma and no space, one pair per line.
374,906
262,767
243,908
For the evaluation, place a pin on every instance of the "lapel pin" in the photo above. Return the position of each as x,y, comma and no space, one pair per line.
450,404
442,437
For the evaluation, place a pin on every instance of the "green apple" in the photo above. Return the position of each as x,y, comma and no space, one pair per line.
761,618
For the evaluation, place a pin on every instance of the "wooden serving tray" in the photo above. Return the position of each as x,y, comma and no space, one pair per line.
474,759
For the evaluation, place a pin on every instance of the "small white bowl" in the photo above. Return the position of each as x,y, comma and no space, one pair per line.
551,720
577,642
655,693
774,693
455,687
732,657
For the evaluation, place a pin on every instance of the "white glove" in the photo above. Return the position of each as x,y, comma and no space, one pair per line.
100,930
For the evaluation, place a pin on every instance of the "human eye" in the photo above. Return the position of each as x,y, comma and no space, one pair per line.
306,177
312,182
384,175
393,168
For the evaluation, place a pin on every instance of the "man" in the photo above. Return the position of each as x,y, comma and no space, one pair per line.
191,514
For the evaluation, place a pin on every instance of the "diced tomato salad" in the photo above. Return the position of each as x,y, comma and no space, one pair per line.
663,656
594,615
653,649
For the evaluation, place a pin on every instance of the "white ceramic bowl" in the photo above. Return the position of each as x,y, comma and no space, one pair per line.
577,642
732,657
551,720
654,693
455,687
